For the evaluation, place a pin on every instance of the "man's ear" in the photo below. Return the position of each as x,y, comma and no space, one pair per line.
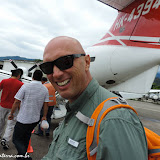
19,76
87,59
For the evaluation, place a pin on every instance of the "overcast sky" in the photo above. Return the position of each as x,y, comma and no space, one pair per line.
26,26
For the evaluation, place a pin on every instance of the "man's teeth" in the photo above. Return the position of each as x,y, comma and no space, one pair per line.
63,83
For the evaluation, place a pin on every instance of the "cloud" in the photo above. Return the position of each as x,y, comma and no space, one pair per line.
27,26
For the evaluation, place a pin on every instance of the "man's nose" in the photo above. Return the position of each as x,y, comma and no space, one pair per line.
57,72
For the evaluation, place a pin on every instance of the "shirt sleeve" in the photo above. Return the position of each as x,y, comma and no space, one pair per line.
20,94
1,85
121,138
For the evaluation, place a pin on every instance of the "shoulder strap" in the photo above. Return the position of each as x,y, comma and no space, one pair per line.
92,137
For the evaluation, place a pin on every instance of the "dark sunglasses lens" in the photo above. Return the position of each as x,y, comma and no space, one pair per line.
47,67
64,62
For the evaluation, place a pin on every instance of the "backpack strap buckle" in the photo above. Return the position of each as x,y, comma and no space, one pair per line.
85,119
120,101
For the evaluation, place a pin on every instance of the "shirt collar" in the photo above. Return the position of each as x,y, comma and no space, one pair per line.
86,94
34,81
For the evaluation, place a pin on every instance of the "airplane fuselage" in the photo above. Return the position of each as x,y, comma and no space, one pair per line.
128,56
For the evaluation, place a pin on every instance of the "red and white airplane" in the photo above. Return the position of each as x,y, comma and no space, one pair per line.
127,58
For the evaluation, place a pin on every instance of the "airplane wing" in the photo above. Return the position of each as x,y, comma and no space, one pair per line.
5,74
117,4
26,77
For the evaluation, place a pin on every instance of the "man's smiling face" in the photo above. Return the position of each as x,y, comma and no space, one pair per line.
71,82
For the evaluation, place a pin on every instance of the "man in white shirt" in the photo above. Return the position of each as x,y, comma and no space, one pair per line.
30,99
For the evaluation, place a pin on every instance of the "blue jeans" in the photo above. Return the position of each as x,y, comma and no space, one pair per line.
21,137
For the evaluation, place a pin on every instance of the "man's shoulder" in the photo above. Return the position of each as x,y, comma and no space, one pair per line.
106,92
2,82
40,86
19,82
49,86
124,115
102,94
45,88
25,86
5,80
11,80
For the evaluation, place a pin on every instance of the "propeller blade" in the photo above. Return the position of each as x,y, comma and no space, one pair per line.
12,62
32,67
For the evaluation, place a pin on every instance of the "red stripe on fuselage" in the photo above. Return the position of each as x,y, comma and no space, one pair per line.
129,43
110,42
139,20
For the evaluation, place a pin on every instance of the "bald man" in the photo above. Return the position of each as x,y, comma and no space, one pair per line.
67,67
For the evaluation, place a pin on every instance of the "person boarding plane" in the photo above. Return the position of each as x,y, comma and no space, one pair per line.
59,111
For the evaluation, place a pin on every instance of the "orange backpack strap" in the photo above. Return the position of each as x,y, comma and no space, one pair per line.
92,137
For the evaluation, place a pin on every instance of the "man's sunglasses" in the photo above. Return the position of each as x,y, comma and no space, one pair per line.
62,63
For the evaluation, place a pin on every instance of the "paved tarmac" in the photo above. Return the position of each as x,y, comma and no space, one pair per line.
39,144
149,114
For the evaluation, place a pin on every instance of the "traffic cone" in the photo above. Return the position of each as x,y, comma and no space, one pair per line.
30,148
33,131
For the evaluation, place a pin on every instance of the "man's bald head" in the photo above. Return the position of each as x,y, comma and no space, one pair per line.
73,80
58,45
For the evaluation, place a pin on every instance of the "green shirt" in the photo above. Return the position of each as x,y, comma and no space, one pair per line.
121,133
